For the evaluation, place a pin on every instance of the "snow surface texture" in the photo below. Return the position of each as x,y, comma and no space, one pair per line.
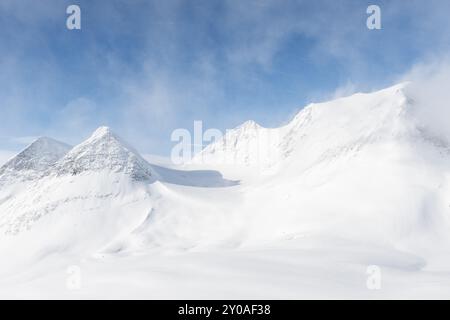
300,211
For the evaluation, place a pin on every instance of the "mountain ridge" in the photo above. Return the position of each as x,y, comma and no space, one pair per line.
361,115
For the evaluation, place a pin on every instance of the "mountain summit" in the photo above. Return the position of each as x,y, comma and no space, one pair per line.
35,159
104,150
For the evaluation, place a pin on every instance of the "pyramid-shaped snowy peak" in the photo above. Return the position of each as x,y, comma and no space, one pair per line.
36,158
104,151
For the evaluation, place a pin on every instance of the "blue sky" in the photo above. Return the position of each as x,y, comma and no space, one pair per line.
146,68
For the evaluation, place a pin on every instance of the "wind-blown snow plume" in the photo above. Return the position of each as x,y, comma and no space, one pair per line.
429,91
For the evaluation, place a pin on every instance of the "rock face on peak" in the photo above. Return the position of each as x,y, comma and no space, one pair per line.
35,159
104,150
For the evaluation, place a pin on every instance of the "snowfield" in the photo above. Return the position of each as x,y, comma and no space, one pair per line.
306,210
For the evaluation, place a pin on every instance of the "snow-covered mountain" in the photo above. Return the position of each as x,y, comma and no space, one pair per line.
362,176
247,145
100,184
318,132
34,160
345,151
104,151
362,166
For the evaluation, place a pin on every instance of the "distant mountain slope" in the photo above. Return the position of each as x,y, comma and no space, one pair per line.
247,145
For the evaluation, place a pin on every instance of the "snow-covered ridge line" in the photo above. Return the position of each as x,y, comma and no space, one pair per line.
361,116
104,150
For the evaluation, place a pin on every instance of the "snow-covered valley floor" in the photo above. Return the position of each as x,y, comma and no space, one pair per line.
292,269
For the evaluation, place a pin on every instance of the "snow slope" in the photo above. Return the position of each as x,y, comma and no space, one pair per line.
346,184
